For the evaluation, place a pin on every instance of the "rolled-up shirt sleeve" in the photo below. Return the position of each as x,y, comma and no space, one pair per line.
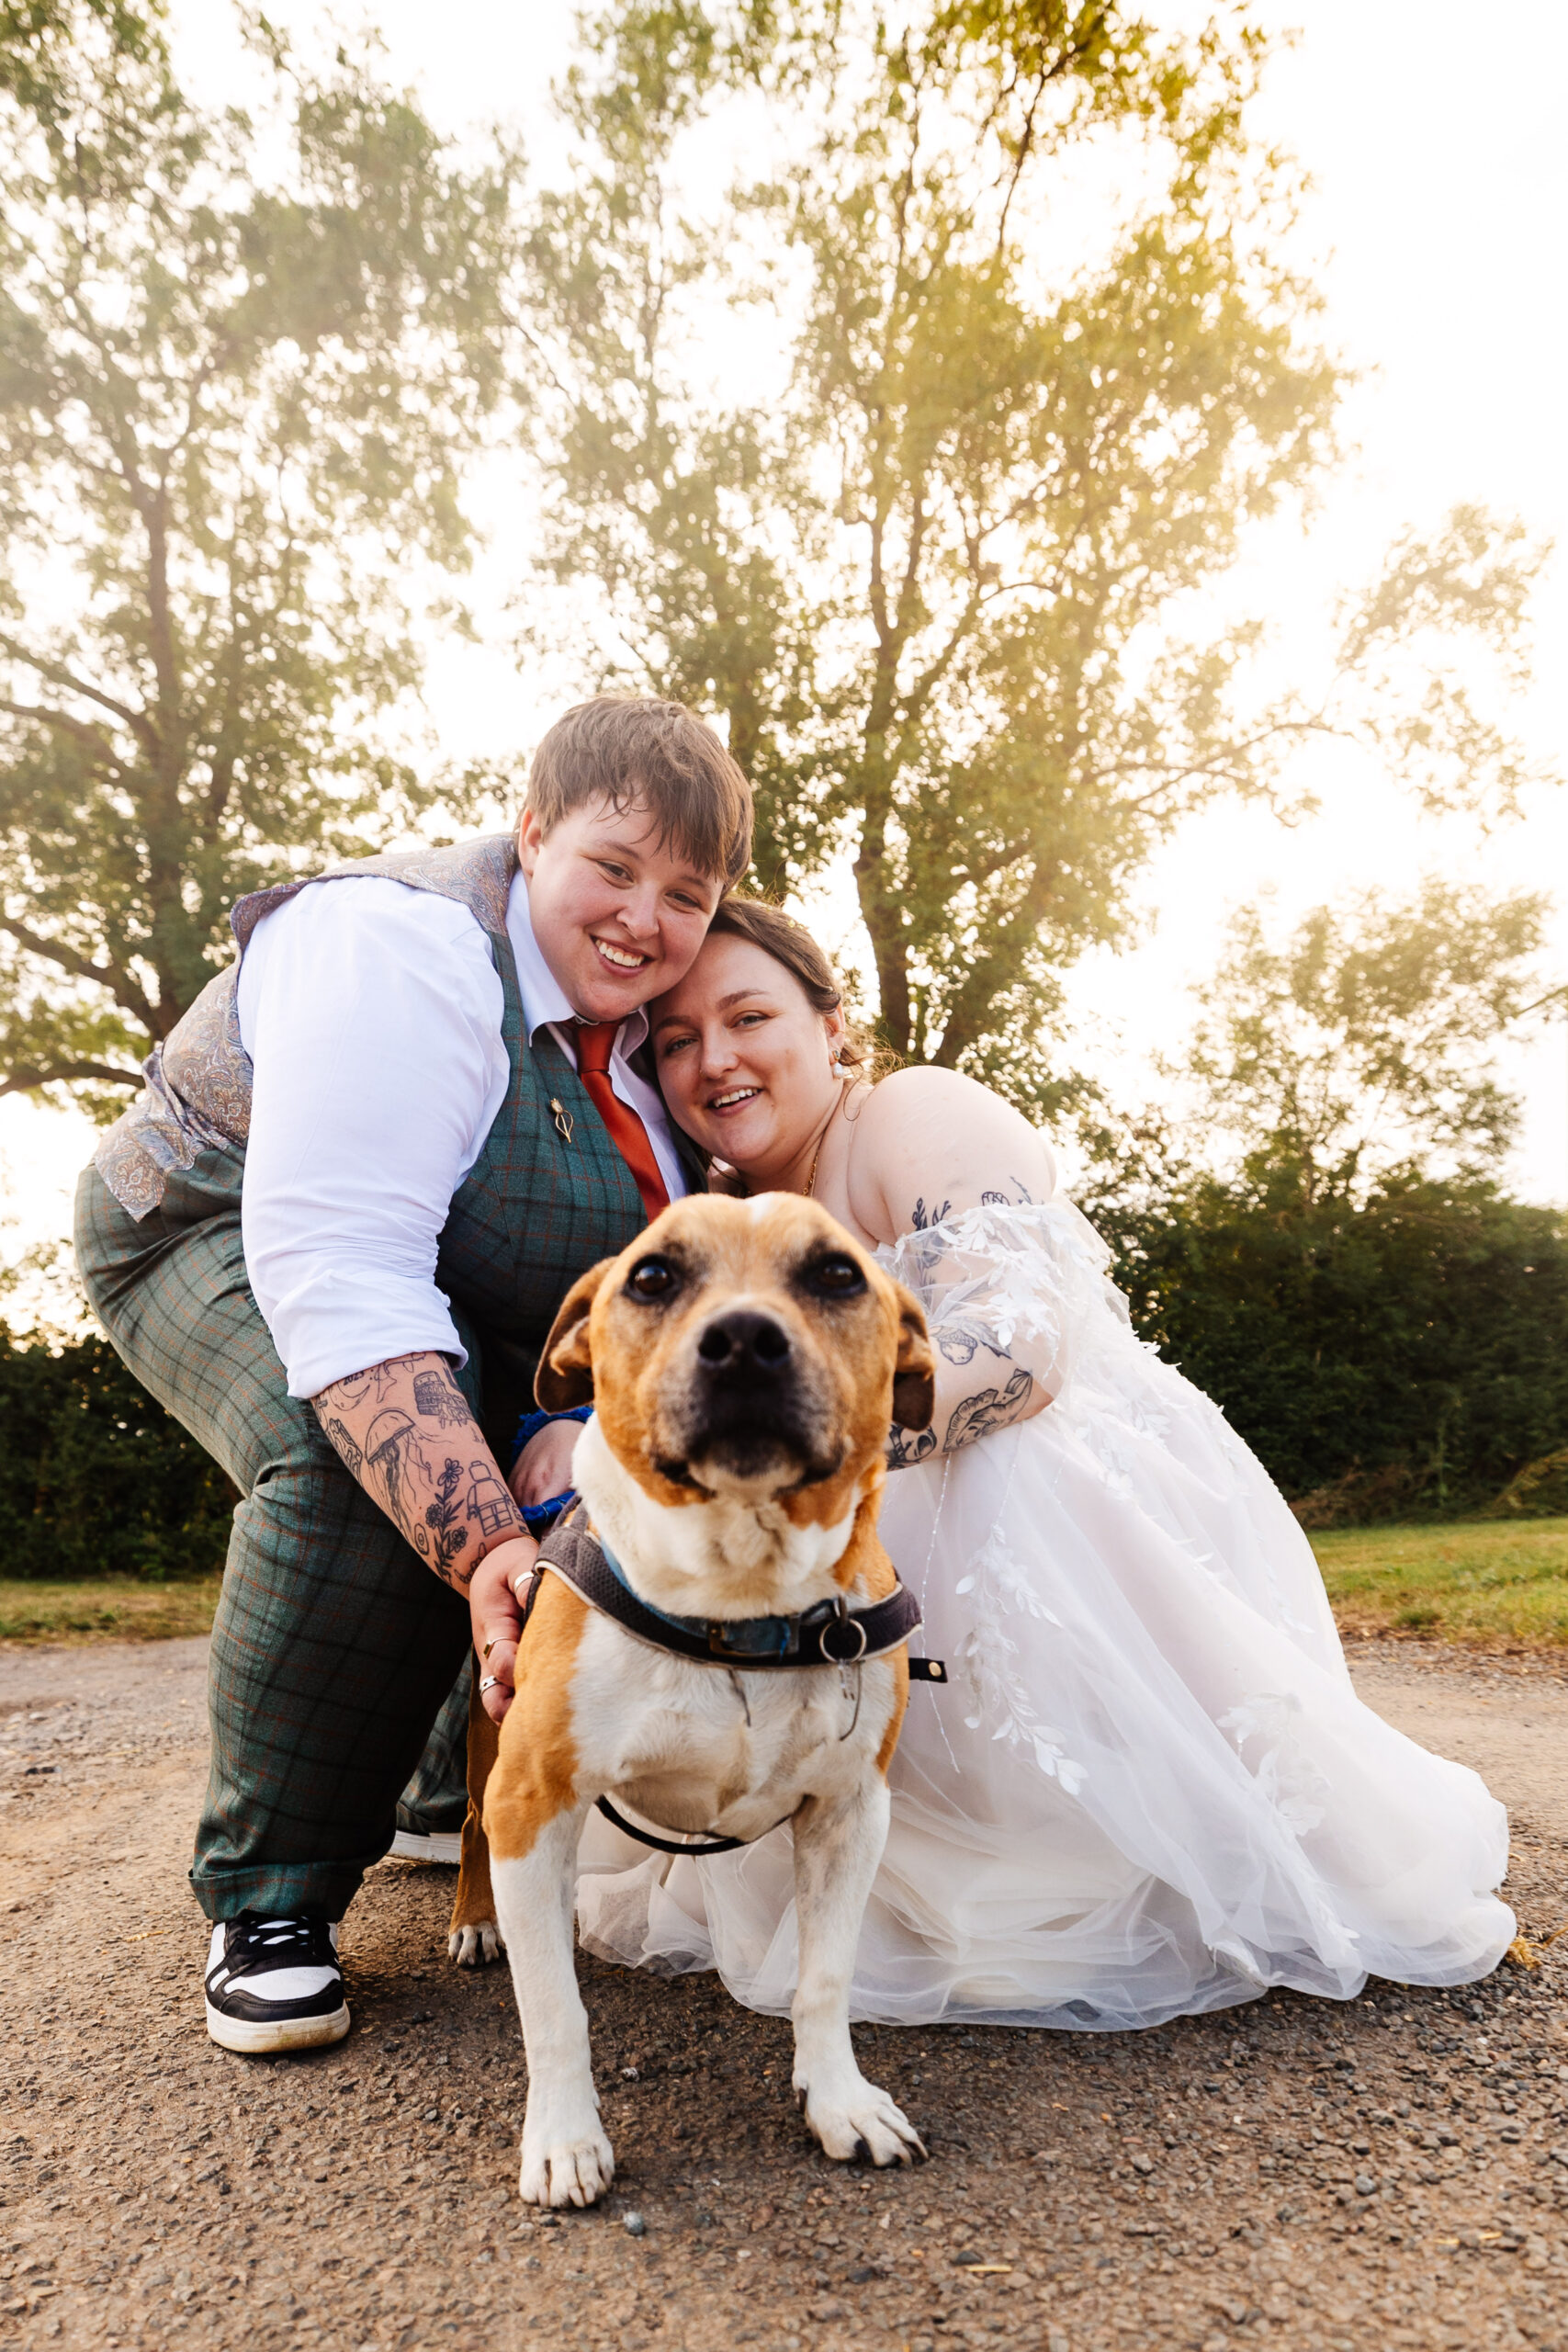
372,1015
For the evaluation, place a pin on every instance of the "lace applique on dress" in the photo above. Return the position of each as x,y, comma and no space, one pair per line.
1027,1282
990,1662
1293,1786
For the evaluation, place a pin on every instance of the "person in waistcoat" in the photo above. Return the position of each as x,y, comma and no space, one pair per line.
330,1236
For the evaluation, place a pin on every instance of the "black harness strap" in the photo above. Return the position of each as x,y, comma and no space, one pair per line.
674,1845
826,1635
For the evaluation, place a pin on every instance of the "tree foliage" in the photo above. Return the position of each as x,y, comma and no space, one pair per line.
1032,364
1365,1045
1386,1330
242,364
938,579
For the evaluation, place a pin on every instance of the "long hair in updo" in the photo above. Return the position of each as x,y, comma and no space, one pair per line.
790,943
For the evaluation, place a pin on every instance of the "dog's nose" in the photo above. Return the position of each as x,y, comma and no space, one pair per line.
744,1341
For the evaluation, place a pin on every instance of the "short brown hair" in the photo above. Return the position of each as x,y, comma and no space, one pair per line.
790,943
630,747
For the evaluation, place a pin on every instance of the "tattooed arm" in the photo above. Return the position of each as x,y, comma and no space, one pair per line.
404,1429
970,1403
929,1144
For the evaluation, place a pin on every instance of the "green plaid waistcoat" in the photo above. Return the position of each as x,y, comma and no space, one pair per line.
539,1205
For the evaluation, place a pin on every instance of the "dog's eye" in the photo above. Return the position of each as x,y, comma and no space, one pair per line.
835,1276
652,1278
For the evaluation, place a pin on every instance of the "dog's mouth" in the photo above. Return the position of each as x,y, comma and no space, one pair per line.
726,1439
749,1455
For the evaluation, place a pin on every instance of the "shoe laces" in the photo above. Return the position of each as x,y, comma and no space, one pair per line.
280,1942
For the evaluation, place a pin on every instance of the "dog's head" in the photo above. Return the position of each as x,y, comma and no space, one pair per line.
742,1348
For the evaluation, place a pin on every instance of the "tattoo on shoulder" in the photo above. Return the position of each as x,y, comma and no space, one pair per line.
924,1217
988,1410
439,1398
1009,1200
905,1447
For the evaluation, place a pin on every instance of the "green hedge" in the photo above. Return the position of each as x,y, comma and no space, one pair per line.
1403,1356
96,1478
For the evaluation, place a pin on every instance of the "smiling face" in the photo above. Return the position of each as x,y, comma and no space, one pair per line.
744,1348
744,1059
618,914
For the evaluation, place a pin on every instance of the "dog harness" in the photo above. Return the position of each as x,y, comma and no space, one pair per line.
831,1634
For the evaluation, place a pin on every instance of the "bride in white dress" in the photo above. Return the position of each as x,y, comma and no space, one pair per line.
1149,1788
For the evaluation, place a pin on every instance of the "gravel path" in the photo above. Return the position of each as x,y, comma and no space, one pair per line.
1393,2172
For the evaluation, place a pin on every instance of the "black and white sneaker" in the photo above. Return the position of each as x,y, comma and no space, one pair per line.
275,1983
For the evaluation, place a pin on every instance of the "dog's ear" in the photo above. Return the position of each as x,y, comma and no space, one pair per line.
914,1375
565,1376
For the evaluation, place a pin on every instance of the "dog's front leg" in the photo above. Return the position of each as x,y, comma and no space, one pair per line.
473,1935
567,2160
837,1850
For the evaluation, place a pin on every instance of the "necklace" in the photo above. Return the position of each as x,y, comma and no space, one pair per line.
811,1179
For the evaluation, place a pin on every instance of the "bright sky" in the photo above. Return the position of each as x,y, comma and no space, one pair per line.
1440,190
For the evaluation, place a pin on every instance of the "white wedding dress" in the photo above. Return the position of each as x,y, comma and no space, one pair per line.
1149,1788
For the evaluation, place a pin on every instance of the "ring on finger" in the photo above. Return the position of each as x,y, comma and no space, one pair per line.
487,1682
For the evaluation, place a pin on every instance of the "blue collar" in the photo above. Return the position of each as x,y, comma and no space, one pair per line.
746,1636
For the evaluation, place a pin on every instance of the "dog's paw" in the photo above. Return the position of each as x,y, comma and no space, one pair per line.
862,2121
566,2171
472,1947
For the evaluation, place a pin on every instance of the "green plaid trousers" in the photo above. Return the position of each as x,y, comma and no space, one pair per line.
334,1651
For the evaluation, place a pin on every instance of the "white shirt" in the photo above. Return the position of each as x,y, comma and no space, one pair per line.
372,1014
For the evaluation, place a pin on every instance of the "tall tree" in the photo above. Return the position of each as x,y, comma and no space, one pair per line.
935,574
242,364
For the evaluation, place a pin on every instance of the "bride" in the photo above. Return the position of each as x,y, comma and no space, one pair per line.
1148,1787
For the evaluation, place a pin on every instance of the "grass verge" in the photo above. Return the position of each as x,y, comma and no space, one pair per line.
108,1609
1483,1583
1479,1582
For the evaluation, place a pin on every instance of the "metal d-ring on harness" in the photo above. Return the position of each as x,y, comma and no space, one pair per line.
819,1636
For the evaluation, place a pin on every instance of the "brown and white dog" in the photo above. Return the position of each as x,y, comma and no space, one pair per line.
745,1360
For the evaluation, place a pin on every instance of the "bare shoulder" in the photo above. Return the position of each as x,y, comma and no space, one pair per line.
931,1142
913,1103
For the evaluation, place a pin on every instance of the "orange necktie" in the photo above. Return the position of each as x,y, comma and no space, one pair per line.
626,1131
